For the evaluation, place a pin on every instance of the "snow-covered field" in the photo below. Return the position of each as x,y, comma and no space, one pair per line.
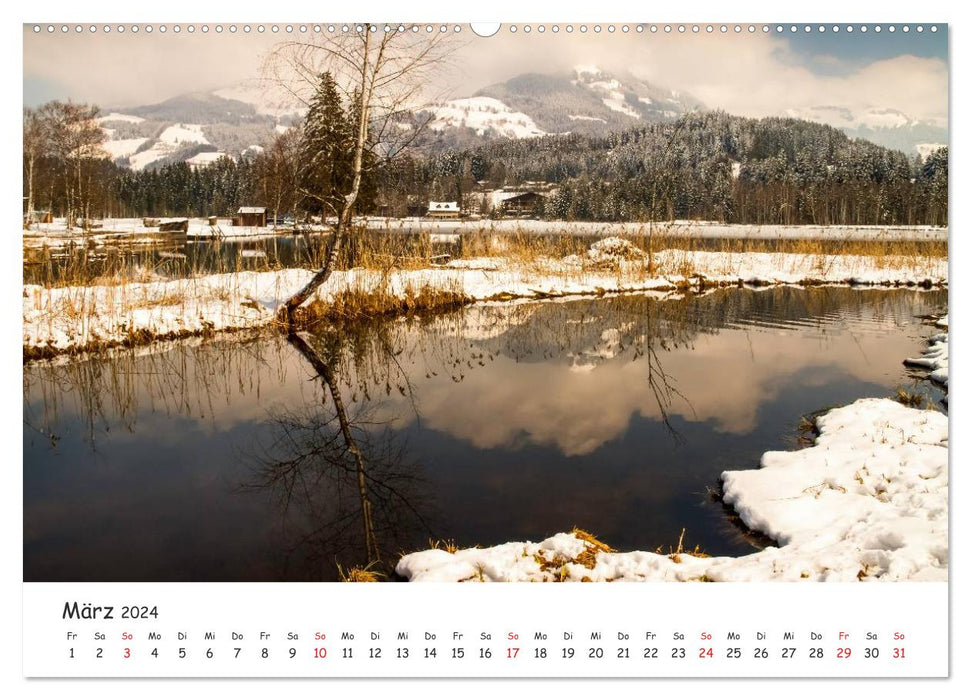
691,229
868,501
482,114
118,117
70,318
676,229
120,148
169,141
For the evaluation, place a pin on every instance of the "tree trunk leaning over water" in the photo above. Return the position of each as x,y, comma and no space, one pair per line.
345,218
383,71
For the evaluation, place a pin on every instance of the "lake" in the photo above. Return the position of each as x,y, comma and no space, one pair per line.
227,459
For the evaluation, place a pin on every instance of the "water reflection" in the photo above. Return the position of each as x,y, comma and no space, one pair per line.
331,467
575,374
263,458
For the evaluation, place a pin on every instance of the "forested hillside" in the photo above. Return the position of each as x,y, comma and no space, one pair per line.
702,166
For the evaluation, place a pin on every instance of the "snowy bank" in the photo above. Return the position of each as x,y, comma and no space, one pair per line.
867,502
69,319
935,357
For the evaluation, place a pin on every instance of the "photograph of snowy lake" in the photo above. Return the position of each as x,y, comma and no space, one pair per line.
422,306
224,459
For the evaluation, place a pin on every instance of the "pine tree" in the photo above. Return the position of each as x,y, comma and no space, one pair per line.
326,152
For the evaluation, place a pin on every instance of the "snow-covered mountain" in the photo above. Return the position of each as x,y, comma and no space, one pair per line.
200,127
484,115
589,100
266,99
885,127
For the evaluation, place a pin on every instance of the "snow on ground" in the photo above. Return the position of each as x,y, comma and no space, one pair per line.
620,106
610,91
170,140
935,357
687,229
122,147
200,228
679,228
205,158
55,234
119,117
182,134
867,502
796,268
926,149
482,114
266,97
72,317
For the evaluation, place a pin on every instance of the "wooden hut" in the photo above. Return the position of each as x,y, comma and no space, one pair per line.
250,216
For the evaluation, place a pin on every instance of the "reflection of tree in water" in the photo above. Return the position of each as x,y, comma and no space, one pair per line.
347,491
185,378
193,378
594,330
336,471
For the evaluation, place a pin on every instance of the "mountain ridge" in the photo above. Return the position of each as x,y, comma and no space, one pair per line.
585,100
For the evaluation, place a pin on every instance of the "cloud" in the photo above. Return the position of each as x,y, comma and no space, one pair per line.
550,404
117,70
747,74
752,75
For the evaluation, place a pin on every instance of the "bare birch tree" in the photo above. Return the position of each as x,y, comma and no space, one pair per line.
382,70
276,174
33,149
74,138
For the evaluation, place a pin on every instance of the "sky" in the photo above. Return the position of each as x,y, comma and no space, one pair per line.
756,74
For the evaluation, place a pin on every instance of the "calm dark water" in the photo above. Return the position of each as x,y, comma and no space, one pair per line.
228,460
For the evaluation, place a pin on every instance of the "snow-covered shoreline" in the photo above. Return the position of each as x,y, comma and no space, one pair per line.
51,232
867,502
71,319
935,357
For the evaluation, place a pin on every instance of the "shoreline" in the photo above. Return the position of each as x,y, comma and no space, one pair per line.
72,320
868,501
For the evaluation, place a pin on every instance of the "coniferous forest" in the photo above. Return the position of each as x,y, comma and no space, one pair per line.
703,166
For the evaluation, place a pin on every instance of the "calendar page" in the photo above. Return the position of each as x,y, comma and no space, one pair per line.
448,350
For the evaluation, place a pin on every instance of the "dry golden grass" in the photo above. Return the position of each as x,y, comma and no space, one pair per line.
558,568
675,553
444,545
357,305
357,574
387,250
146,302
526,251
907,398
